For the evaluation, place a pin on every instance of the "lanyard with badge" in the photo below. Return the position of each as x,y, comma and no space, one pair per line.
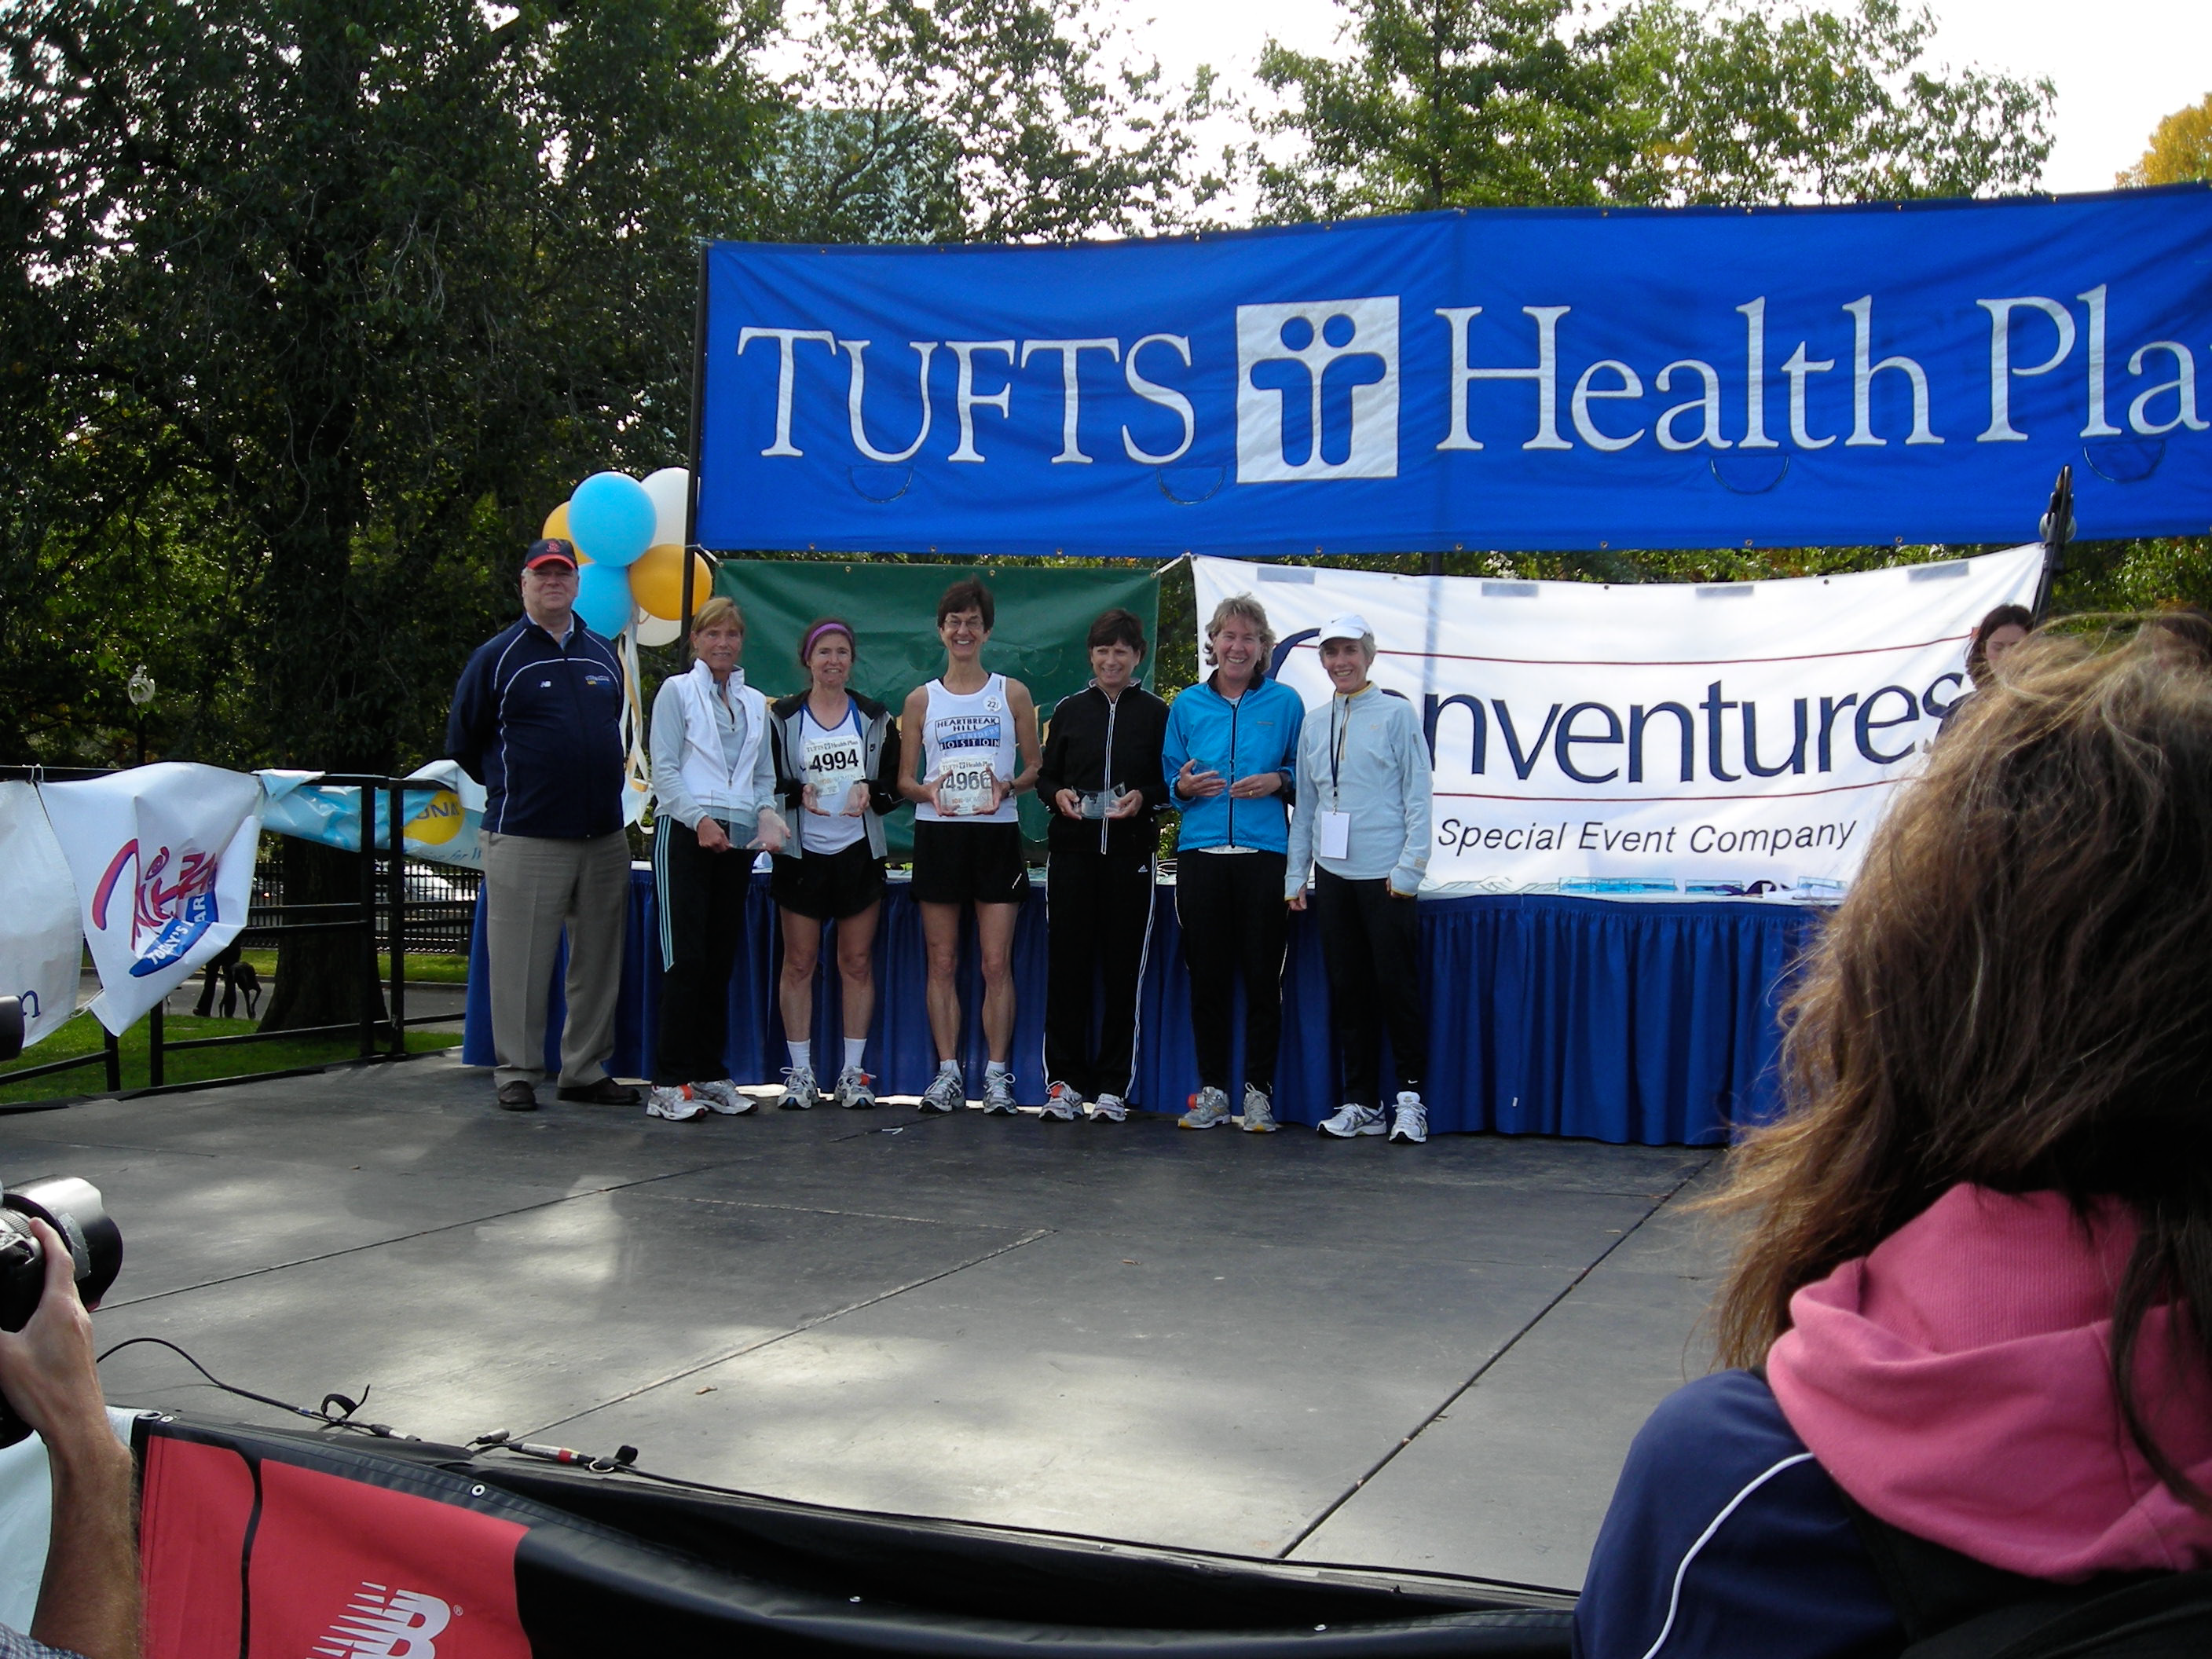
1333,837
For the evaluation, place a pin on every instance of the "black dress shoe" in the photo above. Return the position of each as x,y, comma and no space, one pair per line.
606,1092
518,1097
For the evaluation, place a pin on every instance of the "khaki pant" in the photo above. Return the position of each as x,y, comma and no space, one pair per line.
533,885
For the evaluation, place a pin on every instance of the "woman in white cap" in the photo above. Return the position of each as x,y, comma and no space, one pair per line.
1363,823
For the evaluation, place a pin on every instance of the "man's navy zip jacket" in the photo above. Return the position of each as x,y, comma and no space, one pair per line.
1258,732
1092,742
538,723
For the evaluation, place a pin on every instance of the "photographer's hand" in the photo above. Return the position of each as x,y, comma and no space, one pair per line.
88,1600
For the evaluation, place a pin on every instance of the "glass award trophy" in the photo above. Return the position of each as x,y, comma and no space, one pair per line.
833,767
968,789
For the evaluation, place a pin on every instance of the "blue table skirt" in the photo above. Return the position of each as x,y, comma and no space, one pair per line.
1648,1024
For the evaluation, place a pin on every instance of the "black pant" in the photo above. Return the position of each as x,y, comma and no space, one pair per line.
1370,943
1098,920
1230,905
702,918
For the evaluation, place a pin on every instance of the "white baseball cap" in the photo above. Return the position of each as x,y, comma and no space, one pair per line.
1349,626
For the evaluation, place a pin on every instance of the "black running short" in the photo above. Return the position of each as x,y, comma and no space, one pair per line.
828,886
969,863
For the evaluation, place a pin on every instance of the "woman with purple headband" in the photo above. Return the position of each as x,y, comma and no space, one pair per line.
836,775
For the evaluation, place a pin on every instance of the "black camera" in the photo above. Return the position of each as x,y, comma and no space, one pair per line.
11,1027
73,1208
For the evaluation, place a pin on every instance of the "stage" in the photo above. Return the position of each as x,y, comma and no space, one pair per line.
1424,1359
1644,1023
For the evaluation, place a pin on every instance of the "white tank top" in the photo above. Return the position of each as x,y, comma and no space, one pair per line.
961,733
829,759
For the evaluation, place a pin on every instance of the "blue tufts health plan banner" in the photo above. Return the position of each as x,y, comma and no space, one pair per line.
1490,379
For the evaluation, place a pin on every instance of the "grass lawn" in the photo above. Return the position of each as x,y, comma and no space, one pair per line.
81,1036
420,969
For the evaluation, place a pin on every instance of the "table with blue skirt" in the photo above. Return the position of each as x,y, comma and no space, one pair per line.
1651,1023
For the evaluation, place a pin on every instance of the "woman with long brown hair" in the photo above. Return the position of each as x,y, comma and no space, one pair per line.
1964,1305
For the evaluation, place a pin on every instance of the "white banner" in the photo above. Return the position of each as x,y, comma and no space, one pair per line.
1732,741
163,858
41,940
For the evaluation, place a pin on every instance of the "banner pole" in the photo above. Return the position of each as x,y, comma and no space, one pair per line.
2058,530
698,428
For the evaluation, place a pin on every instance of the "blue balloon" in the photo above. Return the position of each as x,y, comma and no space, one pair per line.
610,517
602,599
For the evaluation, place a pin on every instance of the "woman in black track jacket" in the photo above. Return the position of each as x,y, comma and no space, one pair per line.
1102,779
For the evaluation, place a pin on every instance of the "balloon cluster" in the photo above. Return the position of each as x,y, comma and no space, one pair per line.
629,537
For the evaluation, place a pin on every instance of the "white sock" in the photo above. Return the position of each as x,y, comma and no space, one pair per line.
995,1068
856,1050
802,1055
952,1067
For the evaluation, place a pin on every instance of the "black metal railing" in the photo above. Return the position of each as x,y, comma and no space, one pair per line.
427,908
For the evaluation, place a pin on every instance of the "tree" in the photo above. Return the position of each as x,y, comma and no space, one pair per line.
1451,103
2180,149
991,120
346,294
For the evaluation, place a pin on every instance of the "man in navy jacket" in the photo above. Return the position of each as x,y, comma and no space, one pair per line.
537,719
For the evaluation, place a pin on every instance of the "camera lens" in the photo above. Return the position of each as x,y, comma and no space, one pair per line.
73,1208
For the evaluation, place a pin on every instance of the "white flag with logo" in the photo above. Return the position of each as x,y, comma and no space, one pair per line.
163,858
41,941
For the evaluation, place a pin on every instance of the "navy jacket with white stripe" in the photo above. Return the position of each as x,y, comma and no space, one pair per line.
1726,1541
538,723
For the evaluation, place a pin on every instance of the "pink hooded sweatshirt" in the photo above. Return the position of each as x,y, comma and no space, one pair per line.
1957,1383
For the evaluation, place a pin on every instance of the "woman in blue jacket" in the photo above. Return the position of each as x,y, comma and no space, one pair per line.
1230,756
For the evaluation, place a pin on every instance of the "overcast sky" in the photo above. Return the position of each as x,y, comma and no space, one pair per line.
2119,65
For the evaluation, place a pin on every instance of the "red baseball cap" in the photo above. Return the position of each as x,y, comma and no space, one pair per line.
551,550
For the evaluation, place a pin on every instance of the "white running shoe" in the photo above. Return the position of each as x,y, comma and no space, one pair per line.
1350,1120
724,1098
854,1090
1208,1107
1109,1109
1061,1103
1259,1111
998,1092
1410,1124
947,1092
675,1102
800,1092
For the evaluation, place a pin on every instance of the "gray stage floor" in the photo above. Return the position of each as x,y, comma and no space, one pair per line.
1426,1358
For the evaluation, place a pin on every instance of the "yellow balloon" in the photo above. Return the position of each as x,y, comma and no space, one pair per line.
556,526
656,581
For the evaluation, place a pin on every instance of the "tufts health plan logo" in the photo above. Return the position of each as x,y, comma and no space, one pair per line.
1317,390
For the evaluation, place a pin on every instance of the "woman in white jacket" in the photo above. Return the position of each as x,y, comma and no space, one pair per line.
713,776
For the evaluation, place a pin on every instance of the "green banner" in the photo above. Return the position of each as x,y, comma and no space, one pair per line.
1043,613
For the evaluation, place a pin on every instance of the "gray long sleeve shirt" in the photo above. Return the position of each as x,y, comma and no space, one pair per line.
1363,756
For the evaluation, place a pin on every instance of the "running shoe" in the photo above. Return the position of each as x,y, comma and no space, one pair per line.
1410,1124
1259,1111
1109,1109
1208,1107
998,1092
854,1092
946,1092
1351,1121
1061,1103
724,1098
675,1102
800,1092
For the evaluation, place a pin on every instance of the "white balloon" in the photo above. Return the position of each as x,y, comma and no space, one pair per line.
671,489
657,630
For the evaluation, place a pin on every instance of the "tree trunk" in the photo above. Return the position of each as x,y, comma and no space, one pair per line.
321,975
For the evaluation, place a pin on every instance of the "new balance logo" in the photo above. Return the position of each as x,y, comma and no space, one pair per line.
1317,390
386,1624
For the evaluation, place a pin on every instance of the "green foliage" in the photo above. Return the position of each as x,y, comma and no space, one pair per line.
2180,149
991,120
1449,103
